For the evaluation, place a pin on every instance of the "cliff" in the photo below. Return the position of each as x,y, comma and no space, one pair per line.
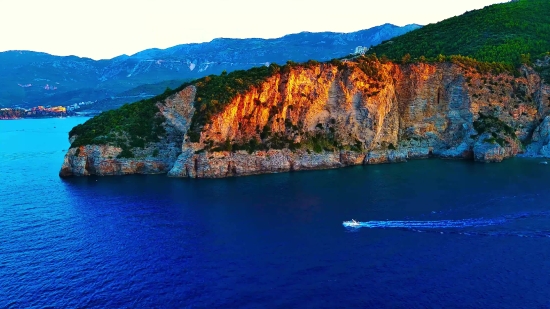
329,115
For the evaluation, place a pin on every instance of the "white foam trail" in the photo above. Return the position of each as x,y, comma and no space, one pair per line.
426,224
462,226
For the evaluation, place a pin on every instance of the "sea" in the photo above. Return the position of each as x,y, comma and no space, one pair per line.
432,234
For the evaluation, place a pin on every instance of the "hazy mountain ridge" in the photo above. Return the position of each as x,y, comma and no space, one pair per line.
34,78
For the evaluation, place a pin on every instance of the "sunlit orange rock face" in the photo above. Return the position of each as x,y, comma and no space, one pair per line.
402,112
406,99
392,114
351,103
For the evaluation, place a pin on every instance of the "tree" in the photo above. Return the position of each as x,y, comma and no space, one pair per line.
406,58
525,58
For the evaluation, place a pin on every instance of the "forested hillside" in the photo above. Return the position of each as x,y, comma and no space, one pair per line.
512,33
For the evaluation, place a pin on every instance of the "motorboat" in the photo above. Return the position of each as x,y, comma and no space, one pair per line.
352,223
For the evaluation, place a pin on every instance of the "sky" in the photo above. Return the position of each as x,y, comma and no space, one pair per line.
102,29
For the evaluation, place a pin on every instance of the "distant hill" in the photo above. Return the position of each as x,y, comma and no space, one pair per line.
514,32
33,78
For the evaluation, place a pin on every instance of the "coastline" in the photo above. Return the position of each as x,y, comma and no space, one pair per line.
327,116
103,161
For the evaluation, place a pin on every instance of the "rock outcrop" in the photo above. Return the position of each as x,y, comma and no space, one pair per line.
102,160
540,141
328,116
155,158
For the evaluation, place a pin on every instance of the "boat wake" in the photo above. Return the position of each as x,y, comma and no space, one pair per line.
459,226
439,224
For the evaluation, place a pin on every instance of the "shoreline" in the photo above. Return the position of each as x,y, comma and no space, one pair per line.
533,160
104,161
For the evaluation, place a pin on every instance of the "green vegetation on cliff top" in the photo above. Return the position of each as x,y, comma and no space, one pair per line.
132,125
512,33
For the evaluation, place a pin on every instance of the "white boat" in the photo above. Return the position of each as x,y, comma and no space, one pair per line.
543,162
351,223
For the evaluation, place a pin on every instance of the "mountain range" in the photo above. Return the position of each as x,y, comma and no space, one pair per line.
34,78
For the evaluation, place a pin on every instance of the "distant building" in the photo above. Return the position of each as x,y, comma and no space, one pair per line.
360,50
58,109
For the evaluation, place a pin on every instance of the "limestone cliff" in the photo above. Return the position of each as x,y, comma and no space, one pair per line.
154,158
333,115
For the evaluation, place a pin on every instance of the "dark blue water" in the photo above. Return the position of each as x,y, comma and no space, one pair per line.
270,241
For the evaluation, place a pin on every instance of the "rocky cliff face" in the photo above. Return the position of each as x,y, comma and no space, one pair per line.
155,158
540,141
328,116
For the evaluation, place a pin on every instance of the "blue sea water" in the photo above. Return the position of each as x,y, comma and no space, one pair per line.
437,234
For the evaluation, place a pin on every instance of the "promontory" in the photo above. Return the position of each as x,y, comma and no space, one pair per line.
368,109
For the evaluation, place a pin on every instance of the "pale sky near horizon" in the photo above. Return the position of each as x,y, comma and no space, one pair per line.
102,29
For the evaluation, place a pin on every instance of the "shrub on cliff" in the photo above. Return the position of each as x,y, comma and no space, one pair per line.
496,127
487,123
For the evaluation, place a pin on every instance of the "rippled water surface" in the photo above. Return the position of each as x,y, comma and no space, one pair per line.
442,234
